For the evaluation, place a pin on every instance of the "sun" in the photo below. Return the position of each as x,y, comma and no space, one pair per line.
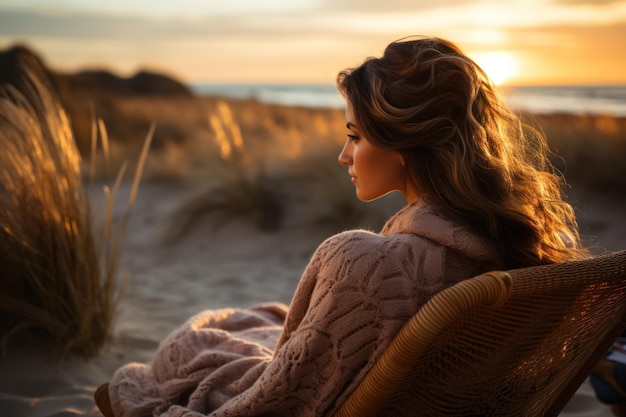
500,66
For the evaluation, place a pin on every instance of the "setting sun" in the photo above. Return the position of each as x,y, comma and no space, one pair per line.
499,66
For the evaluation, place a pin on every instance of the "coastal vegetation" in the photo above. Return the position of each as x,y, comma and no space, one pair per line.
267,165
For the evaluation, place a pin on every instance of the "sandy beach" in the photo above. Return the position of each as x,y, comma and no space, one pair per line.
168,281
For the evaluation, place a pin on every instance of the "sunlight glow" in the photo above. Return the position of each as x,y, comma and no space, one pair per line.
500,66
487,36
308,41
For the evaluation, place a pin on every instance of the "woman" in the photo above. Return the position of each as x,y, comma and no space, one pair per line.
422,119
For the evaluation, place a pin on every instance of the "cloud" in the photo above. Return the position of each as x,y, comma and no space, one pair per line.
318,41
588,2
591,40
162,8
26,23
572,53
367,6
92,26
349,19
206,47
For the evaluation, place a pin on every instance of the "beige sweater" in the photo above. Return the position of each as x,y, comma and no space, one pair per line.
357,291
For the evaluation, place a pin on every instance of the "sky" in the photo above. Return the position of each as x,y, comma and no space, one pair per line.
518,42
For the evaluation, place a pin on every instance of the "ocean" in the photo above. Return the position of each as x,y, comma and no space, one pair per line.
587,99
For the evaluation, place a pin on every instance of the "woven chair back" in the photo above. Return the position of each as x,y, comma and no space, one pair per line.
516,343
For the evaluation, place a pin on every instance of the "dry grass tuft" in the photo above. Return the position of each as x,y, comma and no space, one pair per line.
237,194
58,277
266,158
240,186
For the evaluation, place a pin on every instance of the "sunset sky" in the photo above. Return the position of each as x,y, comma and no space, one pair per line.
308,41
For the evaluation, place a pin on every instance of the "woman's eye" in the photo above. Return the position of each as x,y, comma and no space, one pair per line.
353,138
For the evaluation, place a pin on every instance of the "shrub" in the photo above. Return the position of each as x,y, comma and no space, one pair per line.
59,277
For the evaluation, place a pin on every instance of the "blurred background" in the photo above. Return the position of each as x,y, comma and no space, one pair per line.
241,182
519,42
257,78
252,83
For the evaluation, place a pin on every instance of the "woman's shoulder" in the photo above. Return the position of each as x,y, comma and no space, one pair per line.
417,234
364,244
370,238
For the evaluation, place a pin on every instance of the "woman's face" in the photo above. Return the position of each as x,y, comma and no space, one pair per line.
374,171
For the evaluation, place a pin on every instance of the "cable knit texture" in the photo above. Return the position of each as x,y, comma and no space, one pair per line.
357,291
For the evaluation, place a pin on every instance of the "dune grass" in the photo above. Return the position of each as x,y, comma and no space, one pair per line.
236,194
58,273
272,165
281,153
298,147
240,187
588,148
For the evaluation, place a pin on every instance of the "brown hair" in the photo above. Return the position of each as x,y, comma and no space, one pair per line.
465,150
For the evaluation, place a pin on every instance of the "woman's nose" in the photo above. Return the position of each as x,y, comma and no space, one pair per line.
345,158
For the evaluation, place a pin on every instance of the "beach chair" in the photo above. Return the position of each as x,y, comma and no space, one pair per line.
516,343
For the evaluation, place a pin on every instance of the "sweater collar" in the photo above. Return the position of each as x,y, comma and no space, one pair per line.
423,219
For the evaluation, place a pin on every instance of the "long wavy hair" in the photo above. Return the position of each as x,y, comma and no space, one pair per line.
464,149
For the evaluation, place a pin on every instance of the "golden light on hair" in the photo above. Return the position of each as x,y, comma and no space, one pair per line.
500,66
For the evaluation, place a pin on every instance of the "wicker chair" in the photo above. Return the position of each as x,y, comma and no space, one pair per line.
516,343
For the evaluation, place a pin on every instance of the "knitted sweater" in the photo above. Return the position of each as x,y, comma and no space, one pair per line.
357,291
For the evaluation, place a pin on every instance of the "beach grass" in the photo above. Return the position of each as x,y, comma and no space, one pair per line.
279,153
587,148
248,161
271,164
59,274
240,187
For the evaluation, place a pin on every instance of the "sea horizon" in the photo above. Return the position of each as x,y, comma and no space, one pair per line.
575,99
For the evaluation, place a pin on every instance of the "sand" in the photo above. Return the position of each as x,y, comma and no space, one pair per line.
168,281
